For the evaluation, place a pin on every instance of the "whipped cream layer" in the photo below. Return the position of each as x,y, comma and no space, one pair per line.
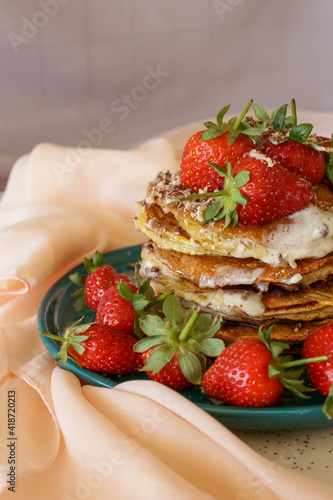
229,303
303,235
309,235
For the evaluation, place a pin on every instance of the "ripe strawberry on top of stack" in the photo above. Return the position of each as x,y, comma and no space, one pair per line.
244,229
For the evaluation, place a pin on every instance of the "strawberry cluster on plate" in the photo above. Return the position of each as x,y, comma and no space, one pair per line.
135,330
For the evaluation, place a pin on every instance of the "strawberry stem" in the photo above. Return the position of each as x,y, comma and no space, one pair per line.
303,361
54,337
328,404
158,299
293,113
198,196
185,331
240,118
137,276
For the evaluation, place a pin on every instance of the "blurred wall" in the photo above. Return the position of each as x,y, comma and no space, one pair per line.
131,69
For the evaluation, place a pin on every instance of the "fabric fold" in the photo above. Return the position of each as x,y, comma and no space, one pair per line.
52,216
140,439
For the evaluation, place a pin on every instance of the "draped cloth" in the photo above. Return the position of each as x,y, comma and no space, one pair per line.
70,441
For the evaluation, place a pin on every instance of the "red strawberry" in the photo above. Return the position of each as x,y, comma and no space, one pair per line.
99,348
178,344
239,376
257,191
116,311
302,159
97,283
122,277
100,277
170,375
318,344
220,143
250,372
273,192
195,171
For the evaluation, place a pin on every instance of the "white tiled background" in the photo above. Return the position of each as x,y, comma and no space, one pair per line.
65,63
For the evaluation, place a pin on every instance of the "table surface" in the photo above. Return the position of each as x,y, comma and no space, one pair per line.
309,451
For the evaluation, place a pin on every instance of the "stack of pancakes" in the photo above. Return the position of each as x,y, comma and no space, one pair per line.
278,273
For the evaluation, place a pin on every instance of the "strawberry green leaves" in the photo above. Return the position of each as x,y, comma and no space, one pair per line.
143,300
226,201
277,120
261,113
329,166
298,133
79,280
92,286
325,146
186,334
279,117
71,338
90,266
278,367
328,404
288,370
235,126
280,122
139,299
97,261
218,128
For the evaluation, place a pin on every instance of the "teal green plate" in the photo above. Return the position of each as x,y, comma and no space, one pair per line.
56,312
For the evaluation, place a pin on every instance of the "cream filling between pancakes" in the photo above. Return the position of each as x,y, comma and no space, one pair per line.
227,302
310,234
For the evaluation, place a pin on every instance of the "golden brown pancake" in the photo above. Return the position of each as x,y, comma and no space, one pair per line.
215,271
163,228
291,333
179,226
295,314
253,307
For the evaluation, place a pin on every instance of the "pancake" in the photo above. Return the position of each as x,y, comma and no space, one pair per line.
215,271
307,234
292,333
250,306
163,228
295,314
